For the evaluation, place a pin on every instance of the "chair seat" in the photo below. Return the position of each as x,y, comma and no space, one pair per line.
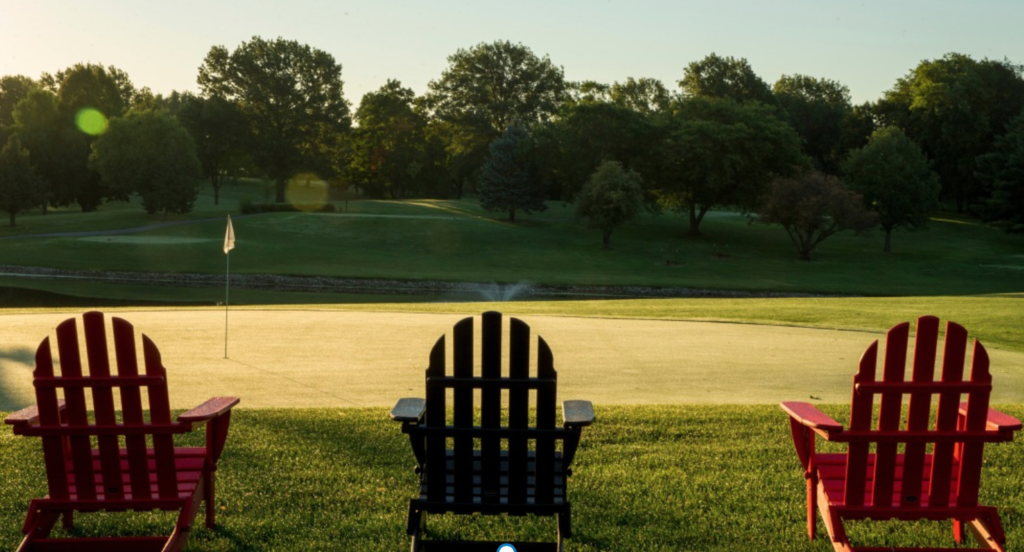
499,496
188,462
832,474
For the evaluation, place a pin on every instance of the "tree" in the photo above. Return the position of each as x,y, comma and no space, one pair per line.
719,152
1003,171
611,198
818,109
954,107
150,153
896,180
18,182
644,95
724,77
389,148
588,133
57,149
484,90
13,89
811,207
291,96
506,182
501,82
218,129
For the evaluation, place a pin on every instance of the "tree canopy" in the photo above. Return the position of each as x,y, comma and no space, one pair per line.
954,107
292,98
812,206
1002,171
18,190
150,153
13,89
390,154
818,109
57,149
611,197
726,78
501,83
720,152
896,180
219,131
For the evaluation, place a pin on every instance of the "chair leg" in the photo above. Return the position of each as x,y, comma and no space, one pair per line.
988,531
812,506
208,496
958,531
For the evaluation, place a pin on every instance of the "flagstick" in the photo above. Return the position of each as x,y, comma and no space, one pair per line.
227,287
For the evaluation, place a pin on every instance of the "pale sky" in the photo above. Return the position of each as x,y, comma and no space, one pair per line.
865,45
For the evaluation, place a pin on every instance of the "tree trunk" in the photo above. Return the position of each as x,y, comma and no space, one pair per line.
694,221
606,240
12,219
888,240
215,182
805,255
512,215
281,183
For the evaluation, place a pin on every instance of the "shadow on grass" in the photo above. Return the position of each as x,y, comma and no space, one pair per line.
16,366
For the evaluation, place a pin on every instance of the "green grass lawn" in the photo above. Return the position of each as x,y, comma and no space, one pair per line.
456,240
646,478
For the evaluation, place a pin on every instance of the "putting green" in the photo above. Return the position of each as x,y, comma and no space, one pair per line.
299,358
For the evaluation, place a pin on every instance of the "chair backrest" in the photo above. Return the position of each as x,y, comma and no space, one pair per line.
950,474
67,432
524,464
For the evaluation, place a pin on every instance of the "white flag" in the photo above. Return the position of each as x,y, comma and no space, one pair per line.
229,237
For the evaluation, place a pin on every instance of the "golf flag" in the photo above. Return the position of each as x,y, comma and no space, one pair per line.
229,237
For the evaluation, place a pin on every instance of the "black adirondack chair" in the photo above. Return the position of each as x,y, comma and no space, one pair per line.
504,475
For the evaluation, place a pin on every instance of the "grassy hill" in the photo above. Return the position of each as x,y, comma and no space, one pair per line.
457,241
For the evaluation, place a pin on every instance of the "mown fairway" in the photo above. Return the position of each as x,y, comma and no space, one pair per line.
455,240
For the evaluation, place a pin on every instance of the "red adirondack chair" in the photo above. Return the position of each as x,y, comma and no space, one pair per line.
939,482
122,472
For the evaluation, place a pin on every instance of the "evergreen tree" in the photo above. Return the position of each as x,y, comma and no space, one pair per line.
507,182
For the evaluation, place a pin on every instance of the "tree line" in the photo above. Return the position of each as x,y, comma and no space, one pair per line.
504,124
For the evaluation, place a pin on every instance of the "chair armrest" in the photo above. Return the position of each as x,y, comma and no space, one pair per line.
408,410
209,410
808,415
29,415
577,413
997,421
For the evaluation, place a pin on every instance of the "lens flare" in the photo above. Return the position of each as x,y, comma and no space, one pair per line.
91,121
307,192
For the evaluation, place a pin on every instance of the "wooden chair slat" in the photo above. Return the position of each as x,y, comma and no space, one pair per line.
954,351
925,347
889,414
462,366
976,420
436,416
546,402
50,416
490,408
77,415
861,406
103,402
518,409
160,413
131,405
